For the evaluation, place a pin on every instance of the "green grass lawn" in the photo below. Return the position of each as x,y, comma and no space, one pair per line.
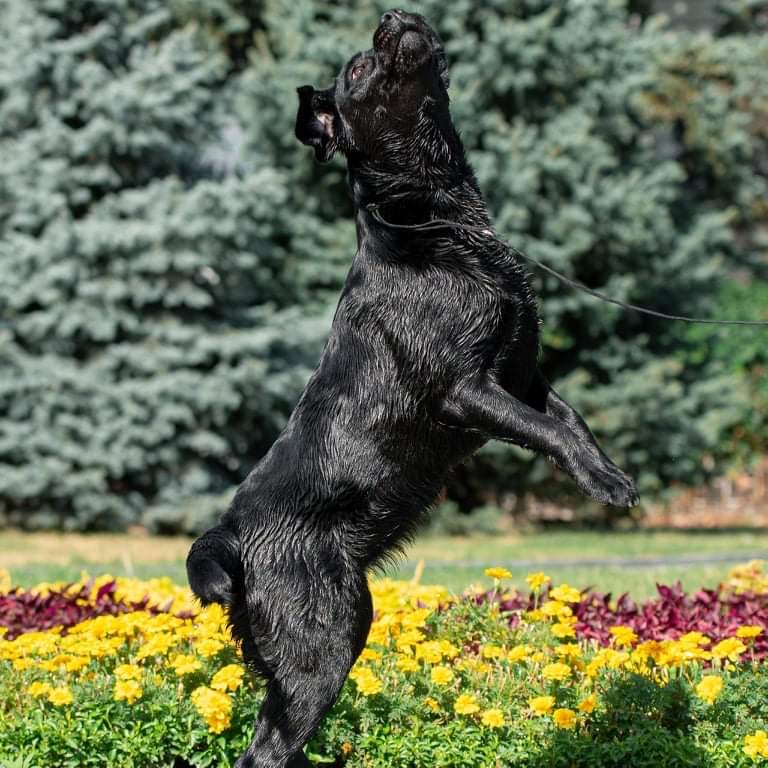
454,562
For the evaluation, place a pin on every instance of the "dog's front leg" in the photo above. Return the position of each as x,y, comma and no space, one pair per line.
483,406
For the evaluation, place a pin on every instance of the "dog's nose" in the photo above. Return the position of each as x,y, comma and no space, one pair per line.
394,14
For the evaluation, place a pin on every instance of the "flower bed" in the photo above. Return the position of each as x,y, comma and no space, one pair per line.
543,677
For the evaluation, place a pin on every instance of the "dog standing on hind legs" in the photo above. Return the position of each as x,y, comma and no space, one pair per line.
433,351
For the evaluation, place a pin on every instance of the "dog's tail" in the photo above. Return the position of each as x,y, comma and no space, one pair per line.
214,569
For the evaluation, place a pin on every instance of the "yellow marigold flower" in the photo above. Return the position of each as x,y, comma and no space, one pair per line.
208,647
561,630
429,651
693,638
537,580
498,573
542,705
588,705
369,654
214,706
709,688
492,652
60,696
650,649
228,678
623,635
518,653
492,718
366,681
568,651
556,671
127,690
538,657
441,675
346,748
448,649
368,686
38,689
474,665
756,744
564,718
466,704
128,672
406,663
730,648
379,633
157,645
409,639
76,663
536,615
565,594
416,619
432,704
749,631
184,664
555,609
23,664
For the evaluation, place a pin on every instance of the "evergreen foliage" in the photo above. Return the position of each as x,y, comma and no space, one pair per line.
145,357
170,255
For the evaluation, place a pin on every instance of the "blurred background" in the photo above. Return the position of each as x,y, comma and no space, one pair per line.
170,258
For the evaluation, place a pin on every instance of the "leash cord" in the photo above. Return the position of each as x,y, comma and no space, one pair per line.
435,224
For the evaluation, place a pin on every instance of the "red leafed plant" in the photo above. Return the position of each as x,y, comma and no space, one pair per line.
716,613
27,611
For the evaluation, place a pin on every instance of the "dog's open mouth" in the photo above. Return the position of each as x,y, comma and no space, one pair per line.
386,40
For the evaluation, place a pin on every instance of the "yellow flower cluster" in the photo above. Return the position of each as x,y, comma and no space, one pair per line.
749,577
214,706
161,593
756,744
709,688
136,651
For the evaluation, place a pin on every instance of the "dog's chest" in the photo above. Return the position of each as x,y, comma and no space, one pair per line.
434,322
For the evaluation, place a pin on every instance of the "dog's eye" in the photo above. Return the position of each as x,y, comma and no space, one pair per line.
357,71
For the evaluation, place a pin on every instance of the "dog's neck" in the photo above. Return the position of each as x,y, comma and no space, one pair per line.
421,173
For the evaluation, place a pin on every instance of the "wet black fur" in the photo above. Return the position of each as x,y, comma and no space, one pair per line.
433,351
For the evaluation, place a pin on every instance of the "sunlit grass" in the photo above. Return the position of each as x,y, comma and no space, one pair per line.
454,562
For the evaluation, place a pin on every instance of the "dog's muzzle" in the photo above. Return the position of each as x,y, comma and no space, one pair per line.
398,27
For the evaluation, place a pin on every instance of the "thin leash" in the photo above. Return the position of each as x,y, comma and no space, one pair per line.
435,224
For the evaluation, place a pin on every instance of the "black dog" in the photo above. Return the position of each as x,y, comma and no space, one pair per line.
433,351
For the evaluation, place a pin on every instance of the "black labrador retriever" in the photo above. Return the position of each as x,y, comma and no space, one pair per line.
433,351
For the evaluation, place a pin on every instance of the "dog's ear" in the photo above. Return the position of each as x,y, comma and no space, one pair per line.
316,121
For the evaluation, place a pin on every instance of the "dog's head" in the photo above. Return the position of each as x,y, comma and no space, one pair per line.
379,94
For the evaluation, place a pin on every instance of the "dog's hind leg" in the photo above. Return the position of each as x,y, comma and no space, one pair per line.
213,566
308,633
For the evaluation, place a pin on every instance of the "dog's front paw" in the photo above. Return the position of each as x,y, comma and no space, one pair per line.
608,484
